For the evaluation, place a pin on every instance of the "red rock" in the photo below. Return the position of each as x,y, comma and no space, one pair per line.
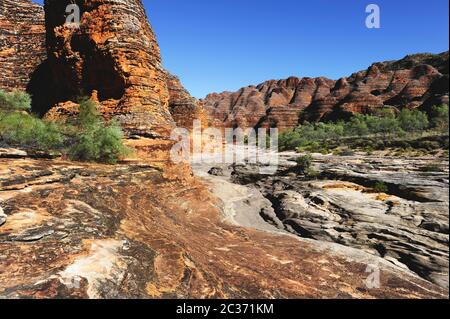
417,81
113,53
22,42
184,108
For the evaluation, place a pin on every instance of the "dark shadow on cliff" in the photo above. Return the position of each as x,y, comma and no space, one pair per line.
41,88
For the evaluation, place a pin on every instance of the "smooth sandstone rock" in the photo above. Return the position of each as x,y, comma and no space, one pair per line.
408,225
134,231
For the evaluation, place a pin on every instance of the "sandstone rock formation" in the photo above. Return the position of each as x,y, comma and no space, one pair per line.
22,42
408,225
112,56
417,81
114,59
133,231
184,108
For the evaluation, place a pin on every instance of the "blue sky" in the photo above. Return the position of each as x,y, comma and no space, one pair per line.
218,45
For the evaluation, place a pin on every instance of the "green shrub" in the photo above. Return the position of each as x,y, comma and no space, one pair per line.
429,145
25,130
304,163
89,115
380,187
357,126
413,121
431,168
312,173
347,152
16,100
440,117
97,142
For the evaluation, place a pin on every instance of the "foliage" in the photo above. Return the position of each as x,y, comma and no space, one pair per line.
98,141
26,130
431,168
369,131
413,121
89,115
380,187
439,117
91,138
304,163
16,100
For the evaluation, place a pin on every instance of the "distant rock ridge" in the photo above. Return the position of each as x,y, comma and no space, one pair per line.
417,81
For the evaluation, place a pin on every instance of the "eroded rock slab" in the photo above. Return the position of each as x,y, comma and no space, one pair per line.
137,231
407,225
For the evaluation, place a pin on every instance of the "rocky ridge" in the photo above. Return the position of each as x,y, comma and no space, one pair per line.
417,81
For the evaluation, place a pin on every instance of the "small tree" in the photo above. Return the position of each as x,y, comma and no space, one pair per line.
357,126
413,121
89,115
97,142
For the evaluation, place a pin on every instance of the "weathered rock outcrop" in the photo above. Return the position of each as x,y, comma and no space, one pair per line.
112,56
184,108
407,225
133,231
22,42
417,81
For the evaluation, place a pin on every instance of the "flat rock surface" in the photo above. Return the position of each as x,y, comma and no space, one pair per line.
406,224
137,231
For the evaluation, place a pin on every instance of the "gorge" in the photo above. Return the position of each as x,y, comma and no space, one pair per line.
150,228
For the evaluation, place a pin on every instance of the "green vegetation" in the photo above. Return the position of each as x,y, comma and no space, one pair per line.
304,163
23,129
385,129
98,141
15,101
439,117
380,187
431,168
90,138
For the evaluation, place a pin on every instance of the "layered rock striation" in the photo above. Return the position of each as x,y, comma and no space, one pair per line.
133,231
417,81
22,42
111,56
184,108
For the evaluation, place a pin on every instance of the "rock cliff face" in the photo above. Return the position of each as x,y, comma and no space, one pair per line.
417,81
22,42
184,108
112,56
